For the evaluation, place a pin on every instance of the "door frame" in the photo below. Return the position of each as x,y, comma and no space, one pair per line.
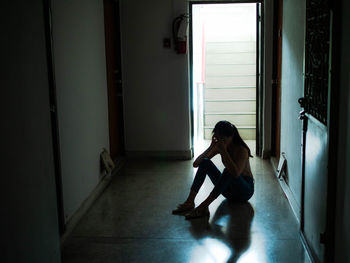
276,83
260,81
54,117
333,117
260,32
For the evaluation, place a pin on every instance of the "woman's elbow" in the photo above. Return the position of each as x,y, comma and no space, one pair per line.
196,163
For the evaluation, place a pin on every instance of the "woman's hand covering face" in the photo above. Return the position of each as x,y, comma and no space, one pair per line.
219,143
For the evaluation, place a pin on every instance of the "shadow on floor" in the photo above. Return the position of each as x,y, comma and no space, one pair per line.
231,224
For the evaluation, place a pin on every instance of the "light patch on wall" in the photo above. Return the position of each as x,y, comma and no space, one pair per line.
315,148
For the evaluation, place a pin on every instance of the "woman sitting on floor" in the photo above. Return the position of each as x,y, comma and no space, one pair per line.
236,182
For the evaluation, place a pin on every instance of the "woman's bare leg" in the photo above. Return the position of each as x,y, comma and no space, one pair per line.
191,196
207,201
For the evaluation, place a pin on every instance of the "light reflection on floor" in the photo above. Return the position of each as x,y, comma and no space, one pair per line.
229,236
132,220
217,252
252,255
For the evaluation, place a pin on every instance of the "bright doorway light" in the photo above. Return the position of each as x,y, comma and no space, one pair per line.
224,67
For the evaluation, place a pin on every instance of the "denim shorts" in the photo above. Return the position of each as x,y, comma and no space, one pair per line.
240,188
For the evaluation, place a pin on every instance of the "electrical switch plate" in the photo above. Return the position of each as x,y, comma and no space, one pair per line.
167,42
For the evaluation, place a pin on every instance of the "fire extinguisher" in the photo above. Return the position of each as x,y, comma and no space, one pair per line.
180,25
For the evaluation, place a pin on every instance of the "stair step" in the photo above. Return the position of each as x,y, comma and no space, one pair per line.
225,106
229,46
229,68
231,58
231,64
226,52
246,134
228,100
231,81
244,93
238,120
230,87
238,127
231,113
207,75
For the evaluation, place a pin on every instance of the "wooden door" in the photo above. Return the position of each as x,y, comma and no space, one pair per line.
277,80
114,78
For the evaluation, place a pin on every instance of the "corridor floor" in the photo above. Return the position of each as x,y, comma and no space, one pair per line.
132,221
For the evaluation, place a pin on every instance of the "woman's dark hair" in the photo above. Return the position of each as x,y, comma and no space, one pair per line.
227,129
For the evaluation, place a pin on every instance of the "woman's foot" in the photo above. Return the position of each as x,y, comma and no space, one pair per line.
198,212
182,208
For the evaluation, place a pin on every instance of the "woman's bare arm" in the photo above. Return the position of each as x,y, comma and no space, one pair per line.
208,153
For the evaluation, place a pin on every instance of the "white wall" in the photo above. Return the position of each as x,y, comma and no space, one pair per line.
28,195
342,243
156,80
80,67
292,90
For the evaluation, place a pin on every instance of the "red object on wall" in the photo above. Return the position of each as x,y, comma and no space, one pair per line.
180,25
181,47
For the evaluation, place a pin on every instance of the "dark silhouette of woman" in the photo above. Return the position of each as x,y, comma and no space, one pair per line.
236,182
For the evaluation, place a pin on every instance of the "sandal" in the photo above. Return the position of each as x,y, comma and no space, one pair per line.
198,212
185,207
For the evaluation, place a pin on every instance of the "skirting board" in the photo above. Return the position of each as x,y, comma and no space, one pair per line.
285,187
85,206
293,204
173,155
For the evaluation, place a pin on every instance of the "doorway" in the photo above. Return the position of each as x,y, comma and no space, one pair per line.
226,68
54,117
114,78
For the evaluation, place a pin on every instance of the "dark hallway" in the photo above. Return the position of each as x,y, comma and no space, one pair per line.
58,103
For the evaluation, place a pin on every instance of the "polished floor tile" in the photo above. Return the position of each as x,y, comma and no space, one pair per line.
132,221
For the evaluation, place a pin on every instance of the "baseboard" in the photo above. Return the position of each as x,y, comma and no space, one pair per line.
285,187
85,206
172,155
307,248
295,208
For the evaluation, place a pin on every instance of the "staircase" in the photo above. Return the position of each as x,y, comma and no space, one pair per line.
229,92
